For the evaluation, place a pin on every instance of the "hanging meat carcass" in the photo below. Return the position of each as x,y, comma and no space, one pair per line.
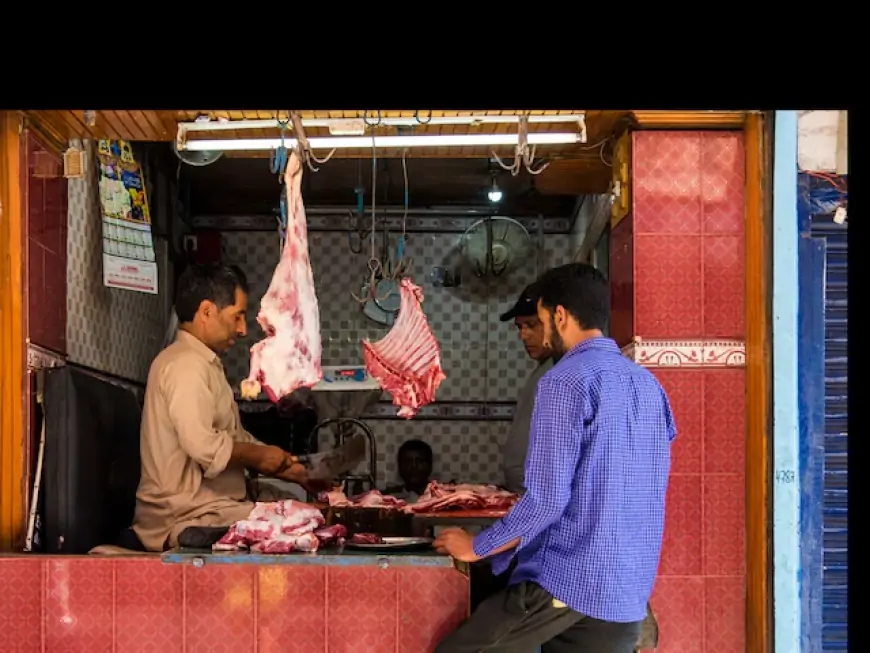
407,361
288,358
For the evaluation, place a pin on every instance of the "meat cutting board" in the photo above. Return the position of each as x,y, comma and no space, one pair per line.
463,514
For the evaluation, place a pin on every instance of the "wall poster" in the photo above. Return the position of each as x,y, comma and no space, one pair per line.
128,250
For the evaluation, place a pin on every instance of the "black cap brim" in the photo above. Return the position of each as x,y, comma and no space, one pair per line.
509,315
526,306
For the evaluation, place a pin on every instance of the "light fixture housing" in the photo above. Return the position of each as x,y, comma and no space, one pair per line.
380,142
576,119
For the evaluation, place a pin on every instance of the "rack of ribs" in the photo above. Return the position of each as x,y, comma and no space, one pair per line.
407,361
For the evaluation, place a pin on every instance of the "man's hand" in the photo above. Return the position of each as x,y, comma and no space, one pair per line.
273,461
456,543
297,473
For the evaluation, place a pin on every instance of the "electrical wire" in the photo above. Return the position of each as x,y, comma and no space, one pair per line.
405,214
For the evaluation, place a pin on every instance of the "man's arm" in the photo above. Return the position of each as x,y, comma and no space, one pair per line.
243,435
554,451
191,409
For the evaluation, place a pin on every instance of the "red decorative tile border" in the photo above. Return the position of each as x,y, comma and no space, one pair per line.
686,353
39,358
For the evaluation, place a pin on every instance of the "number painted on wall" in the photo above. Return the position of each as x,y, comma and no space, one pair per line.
785,476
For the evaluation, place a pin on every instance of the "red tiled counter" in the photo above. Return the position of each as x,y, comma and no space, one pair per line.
72,604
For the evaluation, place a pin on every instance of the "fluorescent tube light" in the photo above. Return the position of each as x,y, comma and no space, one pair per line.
395,142
373,121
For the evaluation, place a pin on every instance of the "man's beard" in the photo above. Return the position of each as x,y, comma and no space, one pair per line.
557,345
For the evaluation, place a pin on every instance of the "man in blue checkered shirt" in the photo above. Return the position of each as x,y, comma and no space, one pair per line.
587,533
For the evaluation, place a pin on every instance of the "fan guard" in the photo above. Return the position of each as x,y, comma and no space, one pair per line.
495,245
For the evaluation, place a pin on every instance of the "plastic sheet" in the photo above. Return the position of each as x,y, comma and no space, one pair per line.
822,193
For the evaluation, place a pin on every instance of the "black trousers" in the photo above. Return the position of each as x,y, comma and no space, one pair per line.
524,617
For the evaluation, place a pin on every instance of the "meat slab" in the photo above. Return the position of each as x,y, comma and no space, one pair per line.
407,361
288,357
440,497
372,499
367,538
281,527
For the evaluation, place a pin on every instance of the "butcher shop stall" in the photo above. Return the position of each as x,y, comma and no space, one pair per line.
380,249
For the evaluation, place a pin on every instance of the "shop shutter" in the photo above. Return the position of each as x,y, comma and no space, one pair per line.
824,228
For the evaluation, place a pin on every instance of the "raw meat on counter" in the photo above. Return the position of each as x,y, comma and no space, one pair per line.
407,361
372,499
288,357
439,497
367,538
281,527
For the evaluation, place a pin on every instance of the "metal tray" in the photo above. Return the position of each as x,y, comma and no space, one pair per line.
394,544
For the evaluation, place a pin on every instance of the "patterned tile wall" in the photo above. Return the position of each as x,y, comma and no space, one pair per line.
465,451
483,358
109,329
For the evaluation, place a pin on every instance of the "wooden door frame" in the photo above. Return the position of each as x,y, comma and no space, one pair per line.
758,143
13,348
758,217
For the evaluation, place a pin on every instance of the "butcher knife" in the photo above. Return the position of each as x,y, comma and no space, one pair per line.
330,464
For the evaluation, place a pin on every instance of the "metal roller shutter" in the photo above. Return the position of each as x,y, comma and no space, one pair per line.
835,504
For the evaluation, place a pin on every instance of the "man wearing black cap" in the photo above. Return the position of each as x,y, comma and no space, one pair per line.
525,316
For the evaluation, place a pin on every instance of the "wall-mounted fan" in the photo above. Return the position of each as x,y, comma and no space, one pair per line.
198,159
494,245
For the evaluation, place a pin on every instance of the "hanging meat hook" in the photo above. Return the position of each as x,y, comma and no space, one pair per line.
303,148
372,124
376,271
278,158
350,232
400,268
524,155
375,274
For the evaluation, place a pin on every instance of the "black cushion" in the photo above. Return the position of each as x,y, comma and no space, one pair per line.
91,461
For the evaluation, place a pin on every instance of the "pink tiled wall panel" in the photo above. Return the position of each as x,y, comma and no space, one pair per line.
685,390
724,621
724,287
622,282
668,286
46,206
725,421
680,609
91,605
688,207
703,553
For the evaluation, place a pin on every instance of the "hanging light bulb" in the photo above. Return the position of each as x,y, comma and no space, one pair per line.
494,193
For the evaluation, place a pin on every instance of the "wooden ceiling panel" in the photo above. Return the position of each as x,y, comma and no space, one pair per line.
574,177
149,125
247,185
131,125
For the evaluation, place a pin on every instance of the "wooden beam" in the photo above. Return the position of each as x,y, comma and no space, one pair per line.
759,370
574,177
594,232
13,392
690,119
45,124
